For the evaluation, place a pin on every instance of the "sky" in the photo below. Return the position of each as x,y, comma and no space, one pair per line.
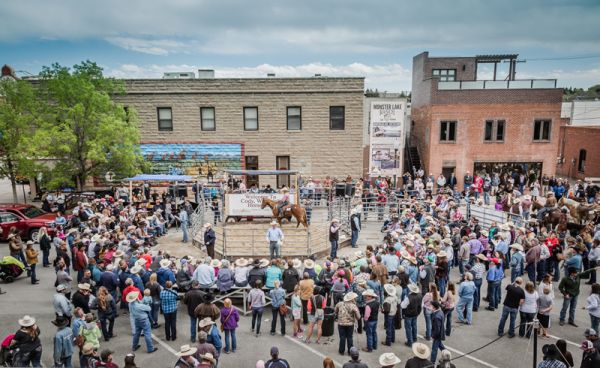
300,38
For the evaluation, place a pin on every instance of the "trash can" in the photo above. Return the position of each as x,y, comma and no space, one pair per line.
328,320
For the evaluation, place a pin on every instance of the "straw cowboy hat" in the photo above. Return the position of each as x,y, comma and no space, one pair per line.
389,289
118,254
263,263
447,241
335,220
186,350
87,348
442,254
413,288
84,286
296,263
26,321
132,296
369,292
388,359
141,262
274,223
215,263
350,296
206,322
96,238
165,263
412,260
208,224
135,269
484,232
309,263
421,350
517,246
241,262
209,357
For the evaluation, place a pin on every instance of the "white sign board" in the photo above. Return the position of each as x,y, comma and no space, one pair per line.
386,137
248,204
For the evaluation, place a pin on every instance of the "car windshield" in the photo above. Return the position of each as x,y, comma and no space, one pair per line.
32,212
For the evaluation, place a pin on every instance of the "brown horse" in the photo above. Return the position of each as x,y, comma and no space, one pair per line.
578,211
293,210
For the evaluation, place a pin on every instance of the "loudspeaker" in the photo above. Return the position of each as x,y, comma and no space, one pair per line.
340,189
178,191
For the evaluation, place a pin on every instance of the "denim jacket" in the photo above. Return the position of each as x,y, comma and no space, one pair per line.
63,345
277,296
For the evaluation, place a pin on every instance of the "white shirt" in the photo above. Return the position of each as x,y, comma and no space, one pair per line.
530,304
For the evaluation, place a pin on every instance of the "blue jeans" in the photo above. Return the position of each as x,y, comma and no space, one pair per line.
345,333
193,327
186,235
390,331
570,304
448,317
274,251
45,258
334,246
477,296
230,334
410,323
441,284
64,363
462,304
143,325
154,313
33,274
256,318
531,268
437,344
516,272
427,316
354,238
486,198
371,332
508,311
595,322
493,287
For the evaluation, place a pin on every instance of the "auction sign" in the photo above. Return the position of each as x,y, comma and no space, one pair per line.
248,204
386,137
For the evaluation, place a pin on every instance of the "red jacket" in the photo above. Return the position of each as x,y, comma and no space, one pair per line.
79,260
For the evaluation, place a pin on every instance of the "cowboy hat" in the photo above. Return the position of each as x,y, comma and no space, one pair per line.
517,246
421,241
215,263
131,227
84,286
141,262
26,321
421,350
60,321
205,322
186,350
296,263
119,254
209,357
526,196
505,227
96,237
135,269
389,289
165,263
10,236
132,296
87,348
369,292
413,288
484,232
412,260
241,262
388,359
442,254
482,257
309,263
447,241
274,223
61,287
350,296
208,224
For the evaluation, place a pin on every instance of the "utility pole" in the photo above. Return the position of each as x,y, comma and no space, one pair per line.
536,326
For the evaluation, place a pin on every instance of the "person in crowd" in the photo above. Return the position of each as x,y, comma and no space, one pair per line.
276,361
316,314
551,357
279,307
411,308
515,297
354,359
347,313
26,343
593,306
168,305
545,306
466,292
107,309
140,314
275,239
229,320
306,287
31,255
421,358
256,302
213,336
334,237
63,343
569,286
528,310
210,239
155,290
192,300
186,357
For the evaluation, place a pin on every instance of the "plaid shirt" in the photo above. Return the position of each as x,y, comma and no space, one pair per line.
477,270
552,363
168,301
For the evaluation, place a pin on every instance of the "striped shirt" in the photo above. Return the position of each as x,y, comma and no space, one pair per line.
477,270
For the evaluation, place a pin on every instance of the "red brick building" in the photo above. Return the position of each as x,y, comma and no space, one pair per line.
579,152
461,123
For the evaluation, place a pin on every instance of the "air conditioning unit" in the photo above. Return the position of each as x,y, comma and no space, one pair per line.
179,75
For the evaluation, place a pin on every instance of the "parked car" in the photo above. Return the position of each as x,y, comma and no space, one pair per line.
27,218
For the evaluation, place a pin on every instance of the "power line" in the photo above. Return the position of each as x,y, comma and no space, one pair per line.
565,58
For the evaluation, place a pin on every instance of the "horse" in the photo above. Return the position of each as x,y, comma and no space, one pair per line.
578,211
293,210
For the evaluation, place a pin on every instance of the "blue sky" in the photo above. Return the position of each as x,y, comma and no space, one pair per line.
250,38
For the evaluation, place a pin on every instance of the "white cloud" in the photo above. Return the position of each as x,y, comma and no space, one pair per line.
385,77
153,47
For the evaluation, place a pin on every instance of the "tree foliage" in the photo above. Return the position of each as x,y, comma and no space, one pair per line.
82,130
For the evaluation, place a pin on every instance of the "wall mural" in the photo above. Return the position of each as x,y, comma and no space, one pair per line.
204,159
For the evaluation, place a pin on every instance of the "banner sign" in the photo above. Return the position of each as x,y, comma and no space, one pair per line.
386,137
248,204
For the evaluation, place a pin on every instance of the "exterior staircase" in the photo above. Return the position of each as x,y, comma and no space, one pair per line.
413,159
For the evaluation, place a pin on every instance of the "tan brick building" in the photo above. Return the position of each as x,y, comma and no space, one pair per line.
191,126
461,123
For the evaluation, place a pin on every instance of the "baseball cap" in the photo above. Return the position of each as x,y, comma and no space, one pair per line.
105,354
590,332
274,350
354,352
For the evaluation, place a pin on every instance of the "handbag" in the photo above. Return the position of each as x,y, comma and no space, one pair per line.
79,341
226,318
283,309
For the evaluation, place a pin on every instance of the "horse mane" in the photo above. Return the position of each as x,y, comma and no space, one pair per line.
569,201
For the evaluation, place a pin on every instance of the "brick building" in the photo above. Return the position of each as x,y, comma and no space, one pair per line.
460,122
579,152
200,125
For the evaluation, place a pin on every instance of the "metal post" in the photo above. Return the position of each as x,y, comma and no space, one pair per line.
536,325
24,196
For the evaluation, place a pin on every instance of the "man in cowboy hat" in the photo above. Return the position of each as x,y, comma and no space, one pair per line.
186,357
390,306
209,240
275,239
334,237
63,342
411,307
193,298
388,360
62,305
212,334
421,358
371,317
347,312
140,313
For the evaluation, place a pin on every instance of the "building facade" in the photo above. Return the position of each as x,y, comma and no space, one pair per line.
199,126
579,156
461,123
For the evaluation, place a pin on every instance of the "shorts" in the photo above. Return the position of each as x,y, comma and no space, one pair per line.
297,313
318,316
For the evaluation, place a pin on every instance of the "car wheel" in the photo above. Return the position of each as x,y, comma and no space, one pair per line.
9,279
34,235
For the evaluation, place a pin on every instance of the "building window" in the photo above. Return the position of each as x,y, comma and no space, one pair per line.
126,110
494,131
582,158
283,163
250,118
207,118
541,130
294,118
251,164
165,119
445,75
337,117
448,131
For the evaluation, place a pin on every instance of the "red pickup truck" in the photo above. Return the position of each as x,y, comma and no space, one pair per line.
27,218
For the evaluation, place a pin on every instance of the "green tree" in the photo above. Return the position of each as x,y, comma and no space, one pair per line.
17,122
83,130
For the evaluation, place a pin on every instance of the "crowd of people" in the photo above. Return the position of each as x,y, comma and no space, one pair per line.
404,281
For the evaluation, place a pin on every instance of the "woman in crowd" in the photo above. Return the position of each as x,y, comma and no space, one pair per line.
593,306
229,322
256,302
107,309
528,310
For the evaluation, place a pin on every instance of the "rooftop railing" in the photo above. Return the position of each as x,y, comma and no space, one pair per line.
492,84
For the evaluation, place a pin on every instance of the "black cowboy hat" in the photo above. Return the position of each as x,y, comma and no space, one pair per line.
208,298
60,321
